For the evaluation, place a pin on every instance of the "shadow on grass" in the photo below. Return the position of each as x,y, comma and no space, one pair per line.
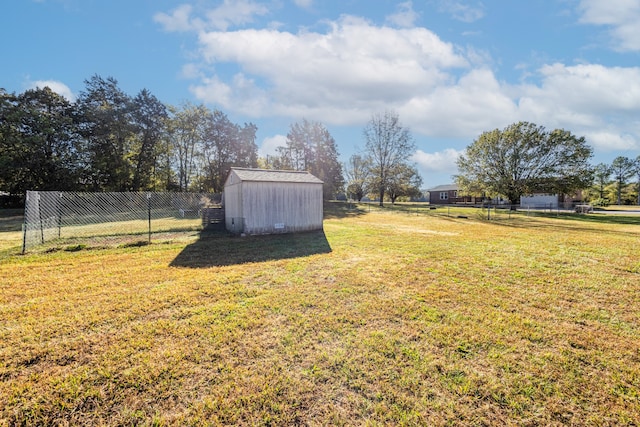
218,248
575,222
604,218
334,209
11,219
595,218
339,209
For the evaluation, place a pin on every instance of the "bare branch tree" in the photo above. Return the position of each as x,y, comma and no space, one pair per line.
388,146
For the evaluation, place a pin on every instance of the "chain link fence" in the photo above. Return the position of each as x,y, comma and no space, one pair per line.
107,219
482,211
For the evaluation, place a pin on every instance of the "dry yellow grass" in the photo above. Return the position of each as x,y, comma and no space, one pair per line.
384,318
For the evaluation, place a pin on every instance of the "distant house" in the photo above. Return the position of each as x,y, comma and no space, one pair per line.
550,201
449,194
259,201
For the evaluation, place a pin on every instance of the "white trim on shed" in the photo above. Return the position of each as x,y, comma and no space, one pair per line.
260,201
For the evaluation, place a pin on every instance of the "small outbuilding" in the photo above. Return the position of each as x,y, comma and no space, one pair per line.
260,201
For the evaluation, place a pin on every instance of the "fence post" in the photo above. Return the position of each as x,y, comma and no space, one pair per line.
24,237
24,223
149,213
60,215
40,218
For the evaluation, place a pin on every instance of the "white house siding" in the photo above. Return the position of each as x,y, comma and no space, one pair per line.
539,201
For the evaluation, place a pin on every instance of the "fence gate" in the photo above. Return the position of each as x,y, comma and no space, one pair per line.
213,217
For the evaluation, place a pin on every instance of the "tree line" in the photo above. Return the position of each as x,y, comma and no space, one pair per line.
525,158
617,182
108,140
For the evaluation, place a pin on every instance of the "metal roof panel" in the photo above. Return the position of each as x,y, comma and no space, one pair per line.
272,175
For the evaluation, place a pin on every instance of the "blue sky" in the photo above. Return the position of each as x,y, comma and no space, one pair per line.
451,69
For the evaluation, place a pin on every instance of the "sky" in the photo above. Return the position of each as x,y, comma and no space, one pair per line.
450,69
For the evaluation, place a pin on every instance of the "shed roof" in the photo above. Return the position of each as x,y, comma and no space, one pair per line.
272,175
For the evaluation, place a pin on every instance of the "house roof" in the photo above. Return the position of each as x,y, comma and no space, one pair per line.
446,187
272,175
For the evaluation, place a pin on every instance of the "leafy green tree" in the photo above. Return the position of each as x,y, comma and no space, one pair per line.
165,176
227,145
246,148
109,141
610,192
40,142
525,158
404,181
598,193
107,127
357,173
327,166
298,153
601,178
389,146
9,138
637,172
622,169
186,133
310,147
148,117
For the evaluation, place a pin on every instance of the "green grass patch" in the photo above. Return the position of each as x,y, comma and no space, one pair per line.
10,231
392,316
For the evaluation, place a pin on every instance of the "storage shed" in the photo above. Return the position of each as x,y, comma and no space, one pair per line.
259,201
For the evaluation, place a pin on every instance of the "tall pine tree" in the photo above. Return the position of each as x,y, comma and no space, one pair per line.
310,147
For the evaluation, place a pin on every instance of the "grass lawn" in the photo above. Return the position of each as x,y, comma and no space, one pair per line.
10,231
388,317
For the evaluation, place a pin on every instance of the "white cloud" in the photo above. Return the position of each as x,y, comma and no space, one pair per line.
305,4
622,16
587,99
270,145
612,140
354,68
462,11
405,17
229,13
593,87
56,86
178,20
235,12
591,100
213,89
191,71
341,75
441,161
467,107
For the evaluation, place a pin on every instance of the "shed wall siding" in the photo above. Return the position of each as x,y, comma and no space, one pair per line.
268,206
233,207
